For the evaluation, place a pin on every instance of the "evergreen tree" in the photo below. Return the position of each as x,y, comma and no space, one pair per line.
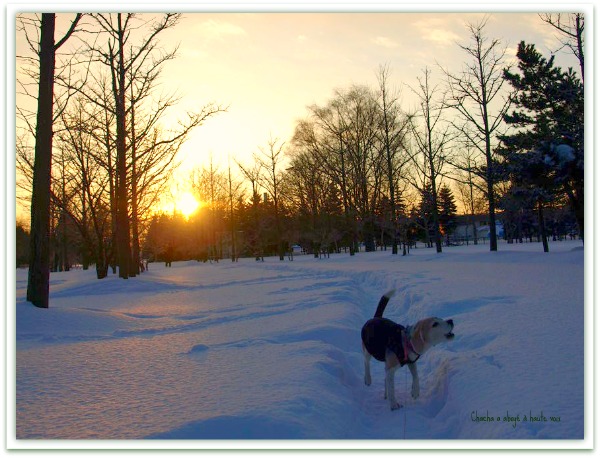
545,155
446,212
425,219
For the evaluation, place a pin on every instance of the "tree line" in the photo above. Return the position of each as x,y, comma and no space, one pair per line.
359,170
102,154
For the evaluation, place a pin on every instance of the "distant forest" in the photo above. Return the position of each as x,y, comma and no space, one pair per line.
360,171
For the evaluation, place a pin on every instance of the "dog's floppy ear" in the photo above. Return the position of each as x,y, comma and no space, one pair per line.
420,338
423,325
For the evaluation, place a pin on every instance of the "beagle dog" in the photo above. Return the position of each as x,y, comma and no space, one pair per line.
397,345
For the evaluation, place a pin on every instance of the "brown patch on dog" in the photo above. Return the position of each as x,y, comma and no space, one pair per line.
420,335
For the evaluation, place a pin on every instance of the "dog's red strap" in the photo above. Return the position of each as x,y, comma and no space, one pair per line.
408,347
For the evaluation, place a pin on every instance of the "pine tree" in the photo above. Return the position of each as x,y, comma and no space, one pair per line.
426,214
546,154
446,212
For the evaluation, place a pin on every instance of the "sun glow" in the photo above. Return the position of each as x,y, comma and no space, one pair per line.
186,204
183,203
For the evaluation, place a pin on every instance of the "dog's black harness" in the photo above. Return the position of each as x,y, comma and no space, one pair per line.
381,335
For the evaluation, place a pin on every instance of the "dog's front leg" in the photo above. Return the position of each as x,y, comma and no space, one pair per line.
390,388
415,380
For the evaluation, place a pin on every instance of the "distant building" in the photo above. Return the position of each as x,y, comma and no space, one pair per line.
466,231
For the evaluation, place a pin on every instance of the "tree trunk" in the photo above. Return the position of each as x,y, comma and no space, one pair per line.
490,178
472,204
122,233
390,167
233,244
85,255
112,187
436,218
101,260
542,224
135,265
350,222
434,195
38,285
575,196
492,205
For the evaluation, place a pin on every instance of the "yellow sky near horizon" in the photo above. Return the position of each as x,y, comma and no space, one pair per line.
268,67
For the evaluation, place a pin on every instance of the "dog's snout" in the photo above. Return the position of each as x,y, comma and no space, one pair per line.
450,322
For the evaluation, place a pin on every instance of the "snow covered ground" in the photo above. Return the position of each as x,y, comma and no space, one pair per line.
272,350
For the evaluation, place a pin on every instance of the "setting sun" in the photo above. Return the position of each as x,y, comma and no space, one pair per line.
186,204
183,203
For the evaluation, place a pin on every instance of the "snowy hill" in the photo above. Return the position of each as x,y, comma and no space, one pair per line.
272,350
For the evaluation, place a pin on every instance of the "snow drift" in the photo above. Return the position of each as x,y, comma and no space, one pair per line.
272,350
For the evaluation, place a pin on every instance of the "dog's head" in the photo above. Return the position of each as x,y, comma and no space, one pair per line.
434,330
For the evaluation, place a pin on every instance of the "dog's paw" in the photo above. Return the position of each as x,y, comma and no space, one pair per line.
415,392
395,406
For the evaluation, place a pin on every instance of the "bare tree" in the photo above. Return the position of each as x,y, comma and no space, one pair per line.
88,202
210,186
570,27
234,193
88,141
152,156
314,196
254,238
361,118
144,151
394,129
474,94
38,283
271,162
348,137
470,185
432,136
323,134
121,57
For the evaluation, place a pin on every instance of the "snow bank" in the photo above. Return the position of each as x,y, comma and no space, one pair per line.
272,350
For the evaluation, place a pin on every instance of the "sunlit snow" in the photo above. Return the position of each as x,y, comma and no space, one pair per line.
272,350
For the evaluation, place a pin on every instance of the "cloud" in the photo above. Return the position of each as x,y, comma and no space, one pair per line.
440,37
437,30
385,42
219,30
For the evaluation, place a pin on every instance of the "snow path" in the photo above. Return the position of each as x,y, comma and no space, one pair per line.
272,350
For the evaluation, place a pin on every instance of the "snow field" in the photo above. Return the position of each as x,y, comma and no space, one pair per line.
272,350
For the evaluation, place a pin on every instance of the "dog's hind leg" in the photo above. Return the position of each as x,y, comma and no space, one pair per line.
367,356
391,364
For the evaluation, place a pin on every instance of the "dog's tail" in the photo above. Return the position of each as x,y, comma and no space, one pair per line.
383,302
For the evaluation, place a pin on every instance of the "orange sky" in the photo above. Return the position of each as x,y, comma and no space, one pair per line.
267,67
